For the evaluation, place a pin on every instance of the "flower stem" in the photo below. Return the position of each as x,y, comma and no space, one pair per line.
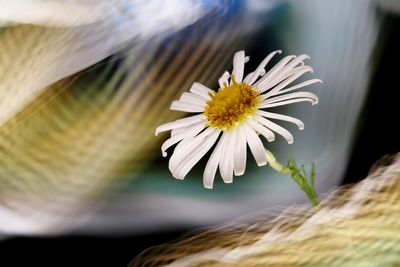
299,175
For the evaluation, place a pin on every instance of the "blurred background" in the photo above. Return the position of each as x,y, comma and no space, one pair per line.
84,84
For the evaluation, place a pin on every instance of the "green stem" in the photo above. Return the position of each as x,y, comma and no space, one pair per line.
299,175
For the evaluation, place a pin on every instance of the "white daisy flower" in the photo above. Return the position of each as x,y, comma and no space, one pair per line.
234,117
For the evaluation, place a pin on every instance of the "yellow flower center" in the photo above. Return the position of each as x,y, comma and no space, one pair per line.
231,105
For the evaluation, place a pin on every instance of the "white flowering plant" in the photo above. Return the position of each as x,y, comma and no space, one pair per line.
235,116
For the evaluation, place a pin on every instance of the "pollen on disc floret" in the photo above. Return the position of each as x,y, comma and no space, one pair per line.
231,105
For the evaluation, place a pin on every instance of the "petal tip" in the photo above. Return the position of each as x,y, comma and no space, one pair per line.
178,177
175,172
239,52
261,163
239,173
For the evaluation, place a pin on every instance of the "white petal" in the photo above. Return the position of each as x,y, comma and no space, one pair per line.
186,106
183,129
287,102
280,98
267,133
276,128
270,75
190,132
212,165
196,155
226,158
296,72
238,66
224,79
253,76
179,130
255,144
248,78
240,151
192,98
298,86
185,147
281,117
296,61
286,79
201,90
293,73
179,123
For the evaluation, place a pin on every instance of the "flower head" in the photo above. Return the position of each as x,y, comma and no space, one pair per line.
234,117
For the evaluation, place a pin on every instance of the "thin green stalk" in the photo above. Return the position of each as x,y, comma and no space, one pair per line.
299,175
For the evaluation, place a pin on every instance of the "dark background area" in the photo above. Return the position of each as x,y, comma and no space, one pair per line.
378,135
378,124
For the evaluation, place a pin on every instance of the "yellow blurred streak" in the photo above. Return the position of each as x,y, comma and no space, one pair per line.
31,58
358,225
